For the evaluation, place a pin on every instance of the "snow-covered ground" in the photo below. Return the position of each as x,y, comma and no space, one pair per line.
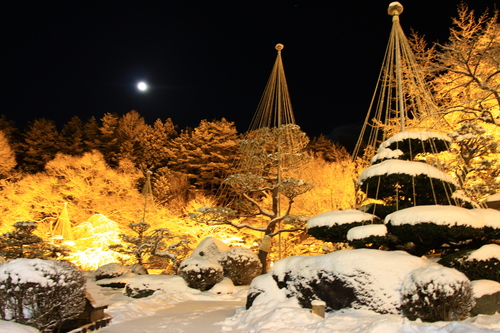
222,309
195,311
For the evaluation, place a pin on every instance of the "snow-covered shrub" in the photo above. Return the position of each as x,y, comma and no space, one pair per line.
360,279
41,293
436,293
200,273
241,265
480,264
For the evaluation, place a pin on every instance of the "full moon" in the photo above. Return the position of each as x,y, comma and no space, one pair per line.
142,86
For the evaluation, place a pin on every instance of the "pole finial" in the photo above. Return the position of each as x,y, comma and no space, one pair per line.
395,8
279,47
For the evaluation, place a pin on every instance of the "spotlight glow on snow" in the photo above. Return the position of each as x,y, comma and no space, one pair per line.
142,86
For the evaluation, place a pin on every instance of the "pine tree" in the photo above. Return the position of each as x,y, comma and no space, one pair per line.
153,145
40,144
108,141
7,156
73,137
206,153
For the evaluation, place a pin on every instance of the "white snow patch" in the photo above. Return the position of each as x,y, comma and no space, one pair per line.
166,283
485,252
31,271
339,217
405,167
11,327
94,294
421,135
433,276
386,154
494,197
490,217
226,286
364,231
485,287
441,215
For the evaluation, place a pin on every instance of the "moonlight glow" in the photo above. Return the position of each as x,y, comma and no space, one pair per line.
142,86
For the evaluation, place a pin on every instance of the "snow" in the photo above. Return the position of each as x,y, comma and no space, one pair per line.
486,252
379,274
11,327
209,248
421,135
166,283
95,295
445,215
30,270
192,311
385,154
485,287
493,197
405,167
364,231
339,217
433,277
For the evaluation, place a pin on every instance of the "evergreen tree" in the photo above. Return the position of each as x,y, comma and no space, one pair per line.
206,153
40,144
73,137
7,156
108,141
91,134
131,127
153,145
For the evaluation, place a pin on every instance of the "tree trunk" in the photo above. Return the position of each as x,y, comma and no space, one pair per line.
264,249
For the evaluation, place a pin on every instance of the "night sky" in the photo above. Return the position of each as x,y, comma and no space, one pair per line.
202,59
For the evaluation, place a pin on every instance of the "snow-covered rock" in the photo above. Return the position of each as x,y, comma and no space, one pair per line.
210,249
146,285
359,279
487,294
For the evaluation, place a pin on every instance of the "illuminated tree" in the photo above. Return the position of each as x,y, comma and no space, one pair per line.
72,134
131,127
22,243
206,153
153,145
7,156
108,142
267,193
155,249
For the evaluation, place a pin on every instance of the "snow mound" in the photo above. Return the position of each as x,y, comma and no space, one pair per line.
485,252
441,215
365,231
210,248
23,271
485,287
361,278
339,217
405,167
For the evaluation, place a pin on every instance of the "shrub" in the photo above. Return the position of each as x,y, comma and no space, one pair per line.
200,273
436,293
241,265
474,268
41,293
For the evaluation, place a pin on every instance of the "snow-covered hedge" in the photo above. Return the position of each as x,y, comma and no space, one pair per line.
359,279
40,293
436,293
483,263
